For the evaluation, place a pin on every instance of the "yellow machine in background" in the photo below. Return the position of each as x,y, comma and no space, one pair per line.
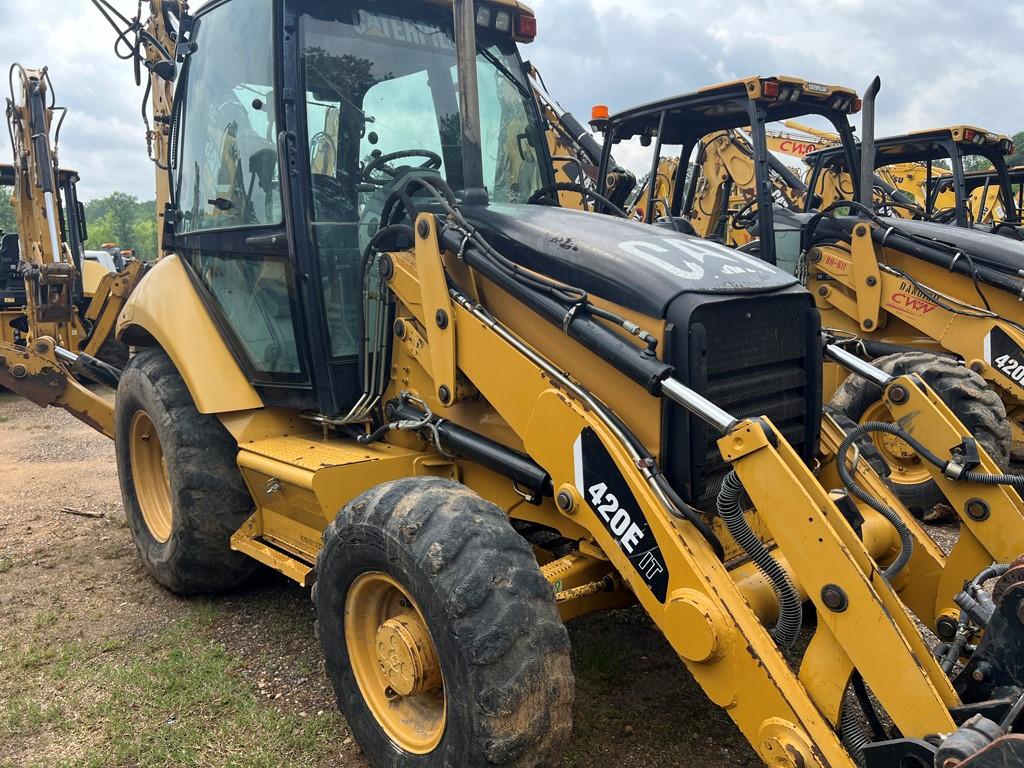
464,419
876,323
64,303
911,183
724,202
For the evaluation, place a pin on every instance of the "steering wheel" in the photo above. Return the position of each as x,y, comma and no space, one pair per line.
943,215
746,216
389,173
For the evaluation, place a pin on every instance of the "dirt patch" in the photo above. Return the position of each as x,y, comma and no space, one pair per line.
96,660
101,667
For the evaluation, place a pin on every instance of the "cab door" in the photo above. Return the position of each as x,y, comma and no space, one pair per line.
226,187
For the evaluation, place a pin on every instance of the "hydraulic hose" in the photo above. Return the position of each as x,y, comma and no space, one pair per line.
853,733
1016,481
906,538
730,509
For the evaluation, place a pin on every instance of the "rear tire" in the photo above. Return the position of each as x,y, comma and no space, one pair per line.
497,687
961,389
183,494
114,353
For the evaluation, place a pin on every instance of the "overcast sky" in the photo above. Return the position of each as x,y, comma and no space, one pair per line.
940,61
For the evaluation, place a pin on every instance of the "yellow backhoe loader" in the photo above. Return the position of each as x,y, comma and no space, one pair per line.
934,297
909,163
63,295
464,419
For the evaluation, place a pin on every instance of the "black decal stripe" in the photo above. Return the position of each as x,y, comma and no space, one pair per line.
595,466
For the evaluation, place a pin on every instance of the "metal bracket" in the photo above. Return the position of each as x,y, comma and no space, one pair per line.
867,278
438,317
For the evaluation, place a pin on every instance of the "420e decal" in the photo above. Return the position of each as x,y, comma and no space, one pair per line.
599,481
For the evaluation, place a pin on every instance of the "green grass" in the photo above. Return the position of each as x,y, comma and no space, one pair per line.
176,698
4,419
6,563
604,660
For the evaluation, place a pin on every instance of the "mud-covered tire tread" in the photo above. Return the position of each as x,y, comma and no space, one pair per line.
461,560
113,352
209,498
963,390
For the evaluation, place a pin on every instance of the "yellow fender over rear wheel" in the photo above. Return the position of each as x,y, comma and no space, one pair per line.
440,633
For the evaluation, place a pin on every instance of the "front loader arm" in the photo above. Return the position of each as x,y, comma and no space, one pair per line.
991,514
855,288
601,484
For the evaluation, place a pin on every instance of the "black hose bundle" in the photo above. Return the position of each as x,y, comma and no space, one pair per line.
853,733
906,538
730,509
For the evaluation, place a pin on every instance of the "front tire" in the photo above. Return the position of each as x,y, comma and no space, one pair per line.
961,389
183,494
440,634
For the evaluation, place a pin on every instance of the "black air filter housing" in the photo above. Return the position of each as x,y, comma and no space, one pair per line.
753,355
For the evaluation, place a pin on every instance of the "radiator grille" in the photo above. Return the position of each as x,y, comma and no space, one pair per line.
753,356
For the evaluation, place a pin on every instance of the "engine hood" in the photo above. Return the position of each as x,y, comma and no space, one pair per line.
635,265
1003,253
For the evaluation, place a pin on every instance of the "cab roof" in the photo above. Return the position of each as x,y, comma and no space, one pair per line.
921,146
724,105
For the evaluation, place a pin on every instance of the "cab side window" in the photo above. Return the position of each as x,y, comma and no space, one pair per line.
228,170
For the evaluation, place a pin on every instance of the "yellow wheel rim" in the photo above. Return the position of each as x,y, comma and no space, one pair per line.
395,662
907,467
149,476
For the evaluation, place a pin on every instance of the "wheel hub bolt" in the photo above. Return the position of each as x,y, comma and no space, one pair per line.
406,656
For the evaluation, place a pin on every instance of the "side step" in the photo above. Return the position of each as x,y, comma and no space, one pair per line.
247,540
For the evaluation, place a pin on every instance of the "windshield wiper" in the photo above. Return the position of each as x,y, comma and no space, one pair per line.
500,66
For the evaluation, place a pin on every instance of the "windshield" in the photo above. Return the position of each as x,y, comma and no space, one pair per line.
381,104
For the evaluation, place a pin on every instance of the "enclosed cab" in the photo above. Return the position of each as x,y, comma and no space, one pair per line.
925,175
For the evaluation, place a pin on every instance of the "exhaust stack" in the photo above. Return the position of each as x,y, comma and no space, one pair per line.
469,102
867,145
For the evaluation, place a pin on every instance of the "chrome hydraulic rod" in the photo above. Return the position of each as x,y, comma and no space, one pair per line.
854,364
698,405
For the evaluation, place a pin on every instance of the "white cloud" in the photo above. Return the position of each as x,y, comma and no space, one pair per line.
940,62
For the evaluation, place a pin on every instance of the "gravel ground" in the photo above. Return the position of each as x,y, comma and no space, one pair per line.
72,581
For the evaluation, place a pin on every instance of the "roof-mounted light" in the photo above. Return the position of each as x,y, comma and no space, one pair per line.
503,21
483,16
526,27
770,89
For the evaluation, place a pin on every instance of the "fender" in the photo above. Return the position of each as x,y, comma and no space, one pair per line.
92,275
166,311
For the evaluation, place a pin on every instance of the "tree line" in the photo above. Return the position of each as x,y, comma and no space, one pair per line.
117,218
